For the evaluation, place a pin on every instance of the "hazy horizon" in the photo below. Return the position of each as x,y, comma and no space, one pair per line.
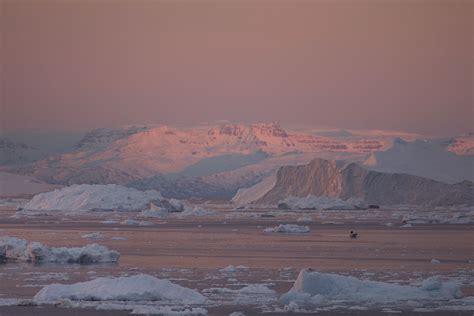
75,66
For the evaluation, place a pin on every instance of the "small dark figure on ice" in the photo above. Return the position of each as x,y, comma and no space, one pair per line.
353,234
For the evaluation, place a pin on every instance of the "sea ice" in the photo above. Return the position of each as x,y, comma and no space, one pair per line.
94,235
22,250
231,268
141,287
316,287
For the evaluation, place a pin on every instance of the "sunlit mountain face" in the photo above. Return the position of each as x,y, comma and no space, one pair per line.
217,160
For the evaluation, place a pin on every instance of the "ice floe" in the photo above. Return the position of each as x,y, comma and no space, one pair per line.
141,287
132,222
232,269
94,236
21,250
249,289
316,287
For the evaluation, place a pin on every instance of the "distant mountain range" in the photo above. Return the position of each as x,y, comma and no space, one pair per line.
215,161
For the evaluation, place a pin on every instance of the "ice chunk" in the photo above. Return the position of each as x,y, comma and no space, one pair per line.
132,222
231,268
22,250
94,235
141,287
315,287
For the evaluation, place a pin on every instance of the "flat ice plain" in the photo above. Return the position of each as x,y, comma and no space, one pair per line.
226,256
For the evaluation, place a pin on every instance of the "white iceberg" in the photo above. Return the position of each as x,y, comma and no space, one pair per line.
132,222
312,202
260,289
287,229
86,197
316,287
22,250
141,287
94,236
232,269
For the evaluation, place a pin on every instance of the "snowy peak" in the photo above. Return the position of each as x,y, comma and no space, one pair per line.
254,137
241,130
269,130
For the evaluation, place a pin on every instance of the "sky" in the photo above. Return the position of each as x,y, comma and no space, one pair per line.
82,64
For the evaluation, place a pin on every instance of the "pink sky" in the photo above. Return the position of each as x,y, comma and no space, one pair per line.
405,65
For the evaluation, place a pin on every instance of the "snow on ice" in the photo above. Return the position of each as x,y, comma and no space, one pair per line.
316,287
19,249
87,197
141,287
232,269
94,236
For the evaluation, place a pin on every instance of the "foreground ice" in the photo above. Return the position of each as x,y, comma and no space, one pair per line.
312,202
140,287
316,287
22,250
87,197
287,229
249,289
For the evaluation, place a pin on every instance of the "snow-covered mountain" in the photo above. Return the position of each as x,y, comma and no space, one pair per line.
335,179
205,161
120,156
